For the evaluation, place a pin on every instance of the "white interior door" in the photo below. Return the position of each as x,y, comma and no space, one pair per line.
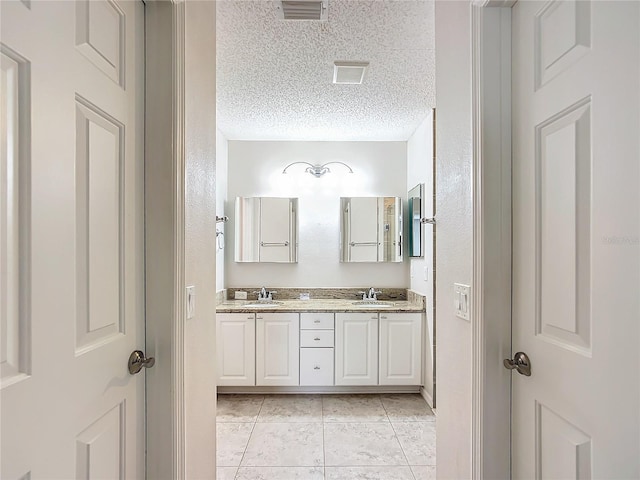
72,239
576,212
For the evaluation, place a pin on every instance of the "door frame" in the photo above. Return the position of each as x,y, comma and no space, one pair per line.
491,173
165,237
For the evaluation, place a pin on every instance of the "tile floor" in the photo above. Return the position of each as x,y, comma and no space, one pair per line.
325,437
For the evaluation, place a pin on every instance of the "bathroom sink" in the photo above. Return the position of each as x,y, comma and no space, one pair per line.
373,304
262,304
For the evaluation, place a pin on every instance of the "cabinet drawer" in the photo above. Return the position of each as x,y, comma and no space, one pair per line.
316,338
316,321
316,366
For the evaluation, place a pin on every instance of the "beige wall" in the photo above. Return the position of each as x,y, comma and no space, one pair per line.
420,150
200,253
454,235
222,167
255,169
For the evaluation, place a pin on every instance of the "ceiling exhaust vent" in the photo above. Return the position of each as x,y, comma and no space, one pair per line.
302,9
349,73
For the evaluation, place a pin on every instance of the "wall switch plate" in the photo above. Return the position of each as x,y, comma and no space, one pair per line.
191,302
240,295
462,300
426,274
411,271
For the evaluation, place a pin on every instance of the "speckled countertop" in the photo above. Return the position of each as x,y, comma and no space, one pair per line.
317,305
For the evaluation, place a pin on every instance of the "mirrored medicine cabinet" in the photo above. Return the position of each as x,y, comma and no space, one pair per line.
371,229
266,229
415,200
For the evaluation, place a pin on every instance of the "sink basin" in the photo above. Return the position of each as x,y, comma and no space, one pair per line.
373,304
262,304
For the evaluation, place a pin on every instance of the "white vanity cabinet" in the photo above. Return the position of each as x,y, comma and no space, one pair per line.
277,349
316,349
235,340
400,349
356,355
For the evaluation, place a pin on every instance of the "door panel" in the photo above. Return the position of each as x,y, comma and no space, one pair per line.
278,349
356,349
74,234
576,216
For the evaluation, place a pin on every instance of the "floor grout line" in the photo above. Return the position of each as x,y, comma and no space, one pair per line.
249,439
323,424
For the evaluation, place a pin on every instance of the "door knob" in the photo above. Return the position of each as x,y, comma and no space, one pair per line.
520,363
137,361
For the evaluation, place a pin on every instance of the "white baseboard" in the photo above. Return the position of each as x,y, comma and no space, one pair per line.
427,396
321,390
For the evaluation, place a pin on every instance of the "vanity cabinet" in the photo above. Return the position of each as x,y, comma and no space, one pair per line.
235,340
277,349
356,355
400,349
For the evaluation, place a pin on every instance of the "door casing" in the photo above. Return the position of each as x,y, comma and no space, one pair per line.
491,172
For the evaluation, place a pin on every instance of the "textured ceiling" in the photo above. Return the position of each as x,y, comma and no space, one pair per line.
274,77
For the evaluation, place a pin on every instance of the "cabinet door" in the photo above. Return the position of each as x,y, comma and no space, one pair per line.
400,348
316,366
356,349
277,230
235,336
277,349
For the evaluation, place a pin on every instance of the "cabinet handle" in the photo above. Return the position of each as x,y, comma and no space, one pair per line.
316,321
259,318
316,368
250,317
383,317
375,317
317,339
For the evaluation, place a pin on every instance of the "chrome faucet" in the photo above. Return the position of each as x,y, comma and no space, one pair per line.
265,295
372,294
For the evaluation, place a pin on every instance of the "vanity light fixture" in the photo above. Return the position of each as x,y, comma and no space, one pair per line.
317,170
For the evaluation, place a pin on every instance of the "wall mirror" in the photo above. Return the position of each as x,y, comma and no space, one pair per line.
415,201
370,229
266,229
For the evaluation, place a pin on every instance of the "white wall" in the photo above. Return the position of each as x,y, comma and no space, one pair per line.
420,151
200,185
222,165
454,234
255,169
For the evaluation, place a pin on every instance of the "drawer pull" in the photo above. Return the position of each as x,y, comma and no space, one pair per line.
317,339
250,317
383,317
316,368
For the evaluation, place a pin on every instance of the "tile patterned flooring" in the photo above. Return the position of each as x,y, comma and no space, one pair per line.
325,437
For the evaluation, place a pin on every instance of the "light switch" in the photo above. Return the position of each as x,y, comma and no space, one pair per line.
191,302
411,271
462,300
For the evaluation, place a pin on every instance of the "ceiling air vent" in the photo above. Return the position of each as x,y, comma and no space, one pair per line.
349,73
302,9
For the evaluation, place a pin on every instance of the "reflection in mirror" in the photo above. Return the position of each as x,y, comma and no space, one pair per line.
416,195
266,230
370,229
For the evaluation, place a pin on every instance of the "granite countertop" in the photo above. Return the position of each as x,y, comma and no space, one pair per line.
317,305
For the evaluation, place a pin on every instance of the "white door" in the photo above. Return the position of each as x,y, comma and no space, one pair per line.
400,349
236,348
277,349
356,349
72,239
576,213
